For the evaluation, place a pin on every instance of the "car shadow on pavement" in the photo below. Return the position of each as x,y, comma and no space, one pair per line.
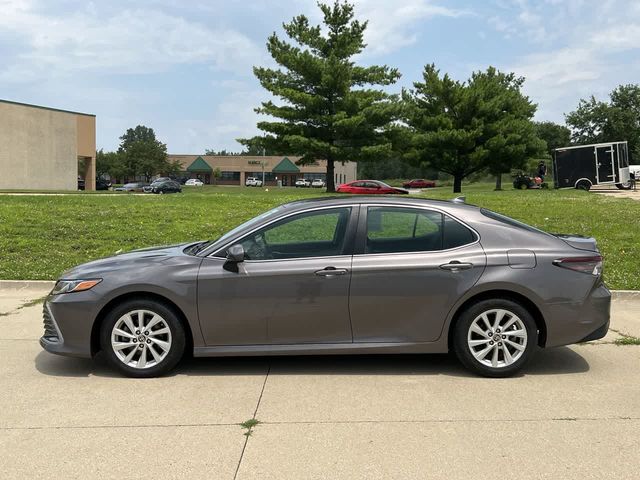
555,361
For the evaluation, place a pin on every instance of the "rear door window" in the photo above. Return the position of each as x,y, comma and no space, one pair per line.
399,229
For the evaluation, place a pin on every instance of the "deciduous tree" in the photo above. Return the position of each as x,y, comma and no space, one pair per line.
461,128
143,153
554,134
595,121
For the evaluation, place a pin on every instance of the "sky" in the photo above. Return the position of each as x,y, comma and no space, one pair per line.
184,68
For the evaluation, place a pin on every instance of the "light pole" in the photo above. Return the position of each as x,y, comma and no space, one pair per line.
262,164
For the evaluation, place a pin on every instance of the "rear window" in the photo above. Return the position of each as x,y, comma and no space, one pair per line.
510,221
456,234
402,229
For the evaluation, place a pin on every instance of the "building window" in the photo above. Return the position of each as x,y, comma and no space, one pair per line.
230,176
314,176
268,176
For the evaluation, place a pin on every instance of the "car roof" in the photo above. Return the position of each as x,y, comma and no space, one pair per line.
454,209
377,199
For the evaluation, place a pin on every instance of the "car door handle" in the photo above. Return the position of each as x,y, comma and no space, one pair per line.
456,266
331,271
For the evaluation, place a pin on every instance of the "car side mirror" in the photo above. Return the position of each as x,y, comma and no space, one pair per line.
235,255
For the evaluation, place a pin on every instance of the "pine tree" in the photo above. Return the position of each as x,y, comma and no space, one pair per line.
328,109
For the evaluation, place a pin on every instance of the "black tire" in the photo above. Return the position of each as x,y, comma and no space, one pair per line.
176,350
583,185
623,186
464,323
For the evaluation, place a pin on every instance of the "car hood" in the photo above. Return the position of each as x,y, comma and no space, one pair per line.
120,261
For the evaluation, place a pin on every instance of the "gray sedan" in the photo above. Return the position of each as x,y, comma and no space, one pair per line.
338,276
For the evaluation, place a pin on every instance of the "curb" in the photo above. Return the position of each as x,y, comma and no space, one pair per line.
625,294
25,284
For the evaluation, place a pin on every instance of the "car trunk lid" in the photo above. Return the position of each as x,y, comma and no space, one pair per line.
579,242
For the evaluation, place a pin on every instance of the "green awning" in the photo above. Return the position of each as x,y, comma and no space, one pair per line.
286,166
199,165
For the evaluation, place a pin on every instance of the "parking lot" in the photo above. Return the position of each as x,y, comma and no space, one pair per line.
615,193
573,413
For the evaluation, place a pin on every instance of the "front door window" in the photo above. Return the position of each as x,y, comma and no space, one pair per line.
309,234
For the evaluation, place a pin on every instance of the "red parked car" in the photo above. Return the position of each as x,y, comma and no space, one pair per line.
419,183
368,187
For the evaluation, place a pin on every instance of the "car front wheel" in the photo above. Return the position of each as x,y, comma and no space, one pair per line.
142,338
495,338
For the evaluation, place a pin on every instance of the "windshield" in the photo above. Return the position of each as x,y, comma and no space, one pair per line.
246,225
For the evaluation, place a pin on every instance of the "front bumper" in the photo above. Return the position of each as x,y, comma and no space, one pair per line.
67,324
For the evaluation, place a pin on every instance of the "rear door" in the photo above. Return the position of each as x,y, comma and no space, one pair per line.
410,266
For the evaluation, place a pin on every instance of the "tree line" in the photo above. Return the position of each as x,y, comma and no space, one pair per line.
332,108
327,106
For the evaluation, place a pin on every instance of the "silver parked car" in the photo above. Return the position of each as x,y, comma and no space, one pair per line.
338,276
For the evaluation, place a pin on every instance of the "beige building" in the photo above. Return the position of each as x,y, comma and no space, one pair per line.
45,148
235,169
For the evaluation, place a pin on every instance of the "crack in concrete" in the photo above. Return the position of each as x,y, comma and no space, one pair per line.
330,422
27,304
463,420
248,434
98,427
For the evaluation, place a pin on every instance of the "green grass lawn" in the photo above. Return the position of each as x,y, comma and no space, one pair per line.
41,236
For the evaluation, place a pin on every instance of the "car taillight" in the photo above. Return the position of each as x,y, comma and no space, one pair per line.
591,265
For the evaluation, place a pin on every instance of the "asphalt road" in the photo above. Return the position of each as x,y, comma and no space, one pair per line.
573,413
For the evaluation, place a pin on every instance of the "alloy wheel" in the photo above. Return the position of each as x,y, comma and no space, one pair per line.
497,338
141,339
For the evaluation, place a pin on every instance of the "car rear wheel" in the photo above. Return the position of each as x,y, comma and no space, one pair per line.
495,338
142,338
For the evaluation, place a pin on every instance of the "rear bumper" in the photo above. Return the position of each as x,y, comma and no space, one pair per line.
569,323
596,334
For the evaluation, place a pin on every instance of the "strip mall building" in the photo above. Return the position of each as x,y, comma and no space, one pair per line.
235,169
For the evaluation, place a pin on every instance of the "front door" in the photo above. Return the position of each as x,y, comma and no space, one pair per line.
604,156
293,286
410,267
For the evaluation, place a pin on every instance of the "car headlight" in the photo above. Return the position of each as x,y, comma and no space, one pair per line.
69,286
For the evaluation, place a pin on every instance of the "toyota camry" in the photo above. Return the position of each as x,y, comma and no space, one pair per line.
339,275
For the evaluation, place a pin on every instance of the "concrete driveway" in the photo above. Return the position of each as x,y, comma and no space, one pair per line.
574,413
